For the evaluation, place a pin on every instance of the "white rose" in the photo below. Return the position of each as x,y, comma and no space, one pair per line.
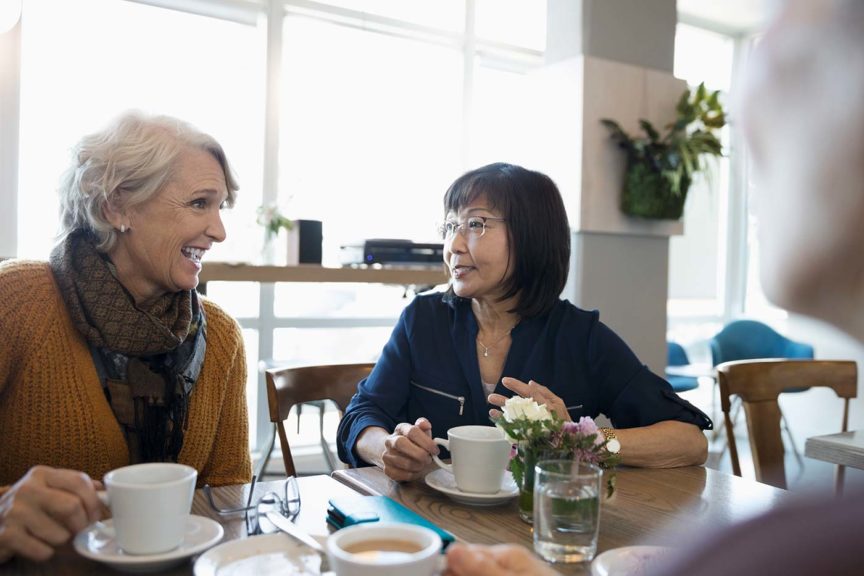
537,412
519,407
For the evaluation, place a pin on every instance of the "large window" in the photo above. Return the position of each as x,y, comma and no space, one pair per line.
714,266
372,119
698,264
85,62
358,113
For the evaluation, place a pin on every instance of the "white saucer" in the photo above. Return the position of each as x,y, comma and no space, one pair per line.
97,543
271,554
443,481
629,561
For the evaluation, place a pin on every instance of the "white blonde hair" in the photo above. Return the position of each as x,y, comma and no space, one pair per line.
126,164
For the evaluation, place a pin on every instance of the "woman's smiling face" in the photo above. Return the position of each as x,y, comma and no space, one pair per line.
170,233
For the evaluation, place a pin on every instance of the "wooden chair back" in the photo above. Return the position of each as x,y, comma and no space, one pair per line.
759,383
287,387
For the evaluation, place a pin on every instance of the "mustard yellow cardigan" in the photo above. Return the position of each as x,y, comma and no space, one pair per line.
52,407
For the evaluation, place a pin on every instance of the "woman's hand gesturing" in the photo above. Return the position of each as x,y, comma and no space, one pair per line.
533,390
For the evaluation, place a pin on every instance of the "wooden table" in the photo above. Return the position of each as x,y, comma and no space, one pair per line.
314,492
649,507
845,448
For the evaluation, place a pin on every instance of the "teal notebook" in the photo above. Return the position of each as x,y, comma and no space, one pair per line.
351,510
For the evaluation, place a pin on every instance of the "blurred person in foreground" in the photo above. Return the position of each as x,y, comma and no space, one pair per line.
502,329
803,116
109,356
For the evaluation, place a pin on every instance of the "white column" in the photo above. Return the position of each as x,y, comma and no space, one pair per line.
10,88
609,58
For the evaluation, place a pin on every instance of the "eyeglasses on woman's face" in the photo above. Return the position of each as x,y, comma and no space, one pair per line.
471,228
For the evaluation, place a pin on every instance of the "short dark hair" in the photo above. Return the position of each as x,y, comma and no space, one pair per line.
537,228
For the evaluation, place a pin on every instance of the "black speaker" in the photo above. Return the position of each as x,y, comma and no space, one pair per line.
311,236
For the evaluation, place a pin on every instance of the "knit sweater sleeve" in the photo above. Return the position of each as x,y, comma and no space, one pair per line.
26,299
229,461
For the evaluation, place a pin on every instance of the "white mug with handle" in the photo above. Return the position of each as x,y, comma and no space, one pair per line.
479,454
150,505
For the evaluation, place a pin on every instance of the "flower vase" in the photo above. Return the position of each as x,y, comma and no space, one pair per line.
281,249
526,488
529,458
268,251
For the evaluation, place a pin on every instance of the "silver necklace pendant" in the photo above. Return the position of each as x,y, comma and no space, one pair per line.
485,352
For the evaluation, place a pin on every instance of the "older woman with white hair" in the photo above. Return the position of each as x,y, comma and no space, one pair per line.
110,357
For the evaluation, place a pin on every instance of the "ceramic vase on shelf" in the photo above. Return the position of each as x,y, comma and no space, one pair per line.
281,249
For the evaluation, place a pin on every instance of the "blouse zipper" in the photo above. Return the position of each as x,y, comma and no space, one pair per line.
460,399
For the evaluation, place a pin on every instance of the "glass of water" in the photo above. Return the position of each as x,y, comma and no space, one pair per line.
567,497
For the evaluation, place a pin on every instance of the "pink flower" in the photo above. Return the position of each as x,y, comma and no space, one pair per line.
571,427
585,426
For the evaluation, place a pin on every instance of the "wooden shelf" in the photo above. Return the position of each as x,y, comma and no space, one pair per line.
228,272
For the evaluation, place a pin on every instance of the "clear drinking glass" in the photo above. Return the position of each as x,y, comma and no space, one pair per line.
567,497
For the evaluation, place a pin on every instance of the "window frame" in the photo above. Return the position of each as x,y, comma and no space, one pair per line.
474,51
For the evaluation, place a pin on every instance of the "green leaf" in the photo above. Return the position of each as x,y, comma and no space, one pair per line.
683,103
649,129
700,93
714,100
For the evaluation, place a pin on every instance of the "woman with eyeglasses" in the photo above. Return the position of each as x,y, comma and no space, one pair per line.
798,88
500,330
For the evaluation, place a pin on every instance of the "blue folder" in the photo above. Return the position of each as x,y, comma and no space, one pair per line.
351,510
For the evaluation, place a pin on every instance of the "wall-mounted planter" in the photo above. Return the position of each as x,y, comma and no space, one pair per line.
648,194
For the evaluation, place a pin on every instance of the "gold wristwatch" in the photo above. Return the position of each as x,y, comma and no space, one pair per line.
612,443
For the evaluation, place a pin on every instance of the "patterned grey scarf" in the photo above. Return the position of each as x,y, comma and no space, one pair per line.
148,361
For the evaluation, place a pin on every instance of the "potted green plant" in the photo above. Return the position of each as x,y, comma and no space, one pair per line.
661,169
272,220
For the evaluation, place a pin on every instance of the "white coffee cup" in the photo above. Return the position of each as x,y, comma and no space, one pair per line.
384,549
479,454
150,505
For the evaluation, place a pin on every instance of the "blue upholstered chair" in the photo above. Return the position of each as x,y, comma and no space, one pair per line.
677,356
750,340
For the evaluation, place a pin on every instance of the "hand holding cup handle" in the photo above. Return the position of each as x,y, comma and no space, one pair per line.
479,457
44,509
437,460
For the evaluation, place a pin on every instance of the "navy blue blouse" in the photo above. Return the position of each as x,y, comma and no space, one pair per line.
429,368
